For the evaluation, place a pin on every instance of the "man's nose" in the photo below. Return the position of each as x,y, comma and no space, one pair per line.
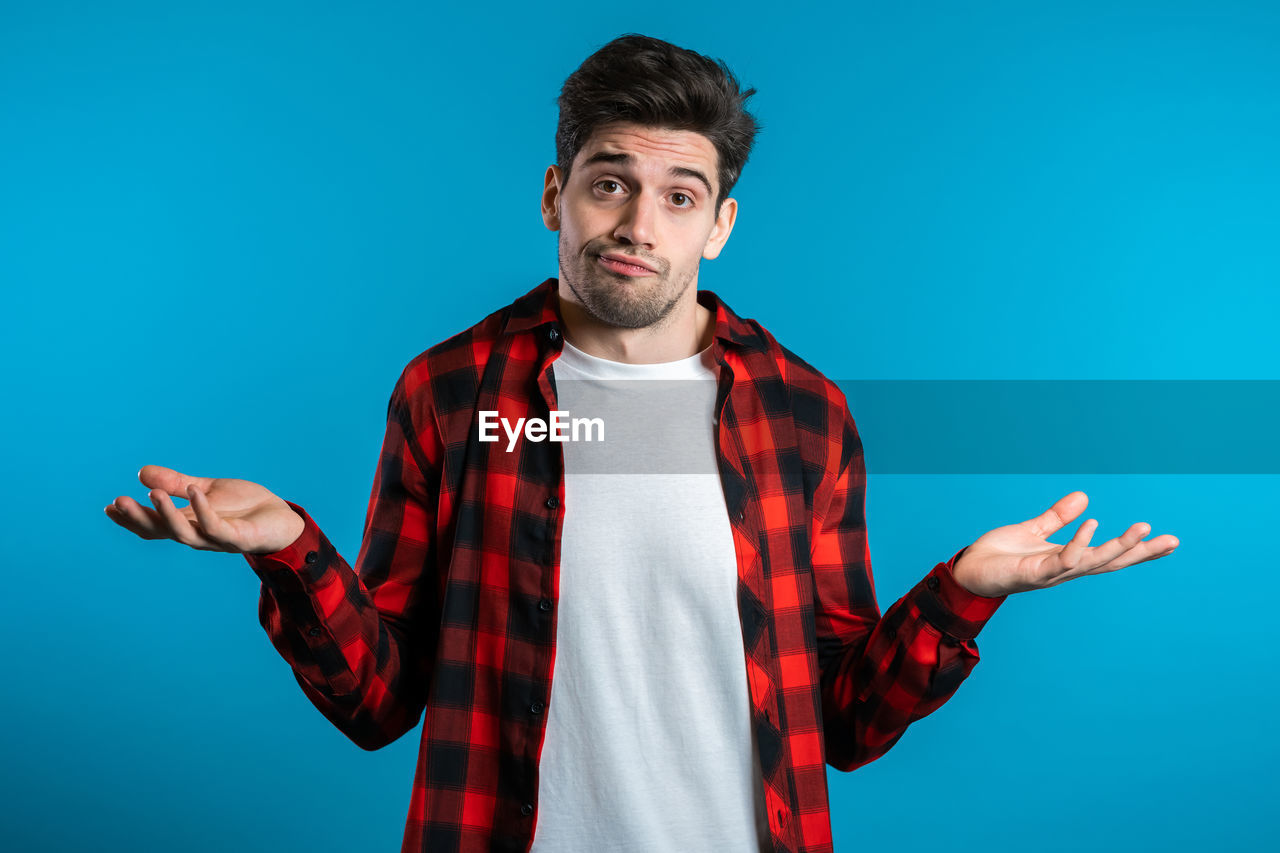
638,221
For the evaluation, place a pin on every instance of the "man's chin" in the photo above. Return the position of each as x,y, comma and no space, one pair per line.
622,317
621,301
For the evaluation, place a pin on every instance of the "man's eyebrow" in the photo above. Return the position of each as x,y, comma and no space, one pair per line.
622,159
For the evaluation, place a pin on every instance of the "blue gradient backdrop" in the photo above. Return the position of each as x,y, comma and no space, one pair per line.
225,227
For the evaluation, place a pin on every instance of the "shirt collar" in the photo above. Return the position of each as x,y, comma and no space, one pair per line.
541,307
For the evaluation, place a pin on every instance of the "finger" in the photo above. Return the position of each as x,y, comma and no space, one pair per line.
1066,510
160,477
1108,551
1152,549
136,518
214,528
120,519
1075,551
179,526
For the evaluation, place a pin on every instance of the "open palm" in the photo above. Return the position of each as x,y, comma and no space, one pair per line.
1018,557
225,514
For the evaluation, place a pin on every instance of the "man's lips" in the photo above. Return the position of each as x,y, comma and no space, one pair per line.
625,264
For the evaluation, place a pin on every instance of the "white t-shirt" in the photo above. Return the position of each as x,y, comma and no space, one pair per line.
649,744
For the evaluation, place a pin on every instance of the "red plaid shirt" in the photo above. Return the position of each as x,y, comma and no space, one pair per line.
452,605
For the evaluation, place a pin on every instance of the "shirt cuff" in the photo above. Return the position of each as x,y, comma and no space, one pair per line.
306,557
951,608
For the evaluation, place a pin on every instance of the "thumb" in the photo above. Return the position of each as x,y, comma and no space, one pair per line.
1066,510
169,480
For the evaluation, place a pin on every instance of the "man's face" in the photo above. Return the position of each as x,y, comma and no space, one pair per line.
635,218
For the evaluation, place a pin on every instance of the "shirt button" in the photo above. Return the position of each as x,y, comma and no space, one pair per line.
544,604
526,809
742,515
311,557
536,708
553,334
552,502
932,583
314,632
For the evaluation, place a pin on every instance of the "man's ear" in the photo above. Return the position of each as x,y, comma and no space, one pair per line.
551,198
723,227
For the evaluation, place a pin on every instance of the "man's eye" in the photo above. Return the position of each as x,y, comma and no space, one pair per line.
681,200
606,186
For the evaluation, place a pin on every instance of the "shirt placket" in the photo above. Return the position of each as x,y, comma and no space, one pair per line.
753,608
549,505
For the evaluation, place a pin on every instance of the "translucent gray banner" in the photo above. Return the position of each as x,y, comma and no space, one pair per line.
950,426
1082,426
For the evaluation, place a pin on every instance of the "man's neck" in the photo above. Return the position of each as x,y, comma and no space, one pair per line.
683,333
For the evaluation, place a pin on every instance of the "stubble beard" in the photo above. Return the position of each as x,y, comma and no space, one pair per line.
613,299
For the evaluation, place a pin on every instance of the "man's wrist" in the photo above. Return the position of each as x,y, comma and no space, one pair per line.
293,557
294,526
952,608
968,579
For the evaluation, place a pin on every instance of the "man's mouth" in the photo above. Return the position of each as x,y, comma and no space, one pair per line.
624,265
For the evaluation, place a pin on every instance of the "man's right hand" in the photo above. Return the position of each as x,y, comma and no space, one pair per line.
224,515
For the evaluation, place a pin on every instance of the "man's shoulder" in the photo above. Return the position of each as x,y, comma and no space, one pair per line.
766,356
459,361
825,433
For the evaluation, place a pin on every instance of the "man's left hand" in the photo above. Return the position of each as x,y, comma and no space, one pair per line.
1017,557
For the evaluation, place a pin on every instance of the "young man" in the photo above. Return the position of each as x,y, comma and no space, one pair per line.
660,650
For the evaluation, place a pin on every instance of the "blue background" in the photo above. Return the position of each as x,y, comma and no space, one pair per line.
225,227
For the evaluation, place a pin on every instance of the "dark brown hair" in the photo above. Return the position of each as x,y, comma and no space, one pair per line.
639,79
